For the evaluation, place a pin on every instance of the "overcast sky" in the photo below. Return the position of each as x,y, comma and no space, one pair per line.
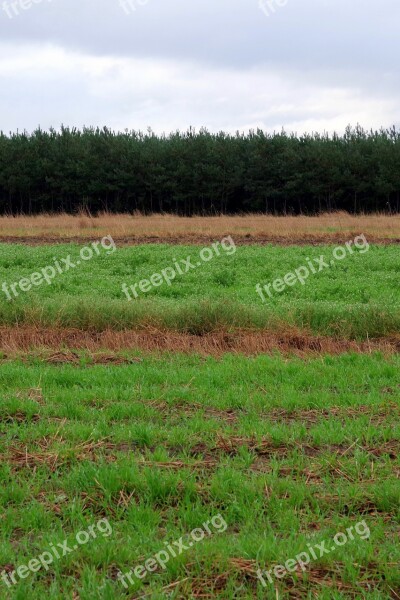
305,65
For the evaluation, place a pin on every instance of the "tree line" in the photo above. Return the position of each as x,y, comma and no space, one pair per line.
200,172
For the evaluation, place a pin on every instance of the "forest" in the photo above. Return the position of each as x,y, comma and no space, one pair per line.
198,172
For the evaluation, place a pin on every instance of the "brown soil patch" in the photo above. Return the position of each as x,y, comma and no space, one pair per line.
230,445
362,506
391,449
228,416
58,342
377,414
197,240
245,229
19,417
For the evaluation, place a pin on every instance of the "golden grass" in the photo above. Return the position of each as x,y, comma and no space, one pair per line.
25,339
248,228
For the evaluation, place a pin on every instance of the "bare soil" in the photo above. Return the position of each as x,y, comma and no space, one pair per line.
190,240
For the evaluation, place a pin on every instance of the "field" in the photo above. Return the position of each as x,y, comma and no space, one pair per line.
356,298
246,229
268,426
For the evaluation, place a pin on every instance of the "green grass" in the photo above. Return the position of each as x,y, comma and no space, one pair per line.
357,297
289,452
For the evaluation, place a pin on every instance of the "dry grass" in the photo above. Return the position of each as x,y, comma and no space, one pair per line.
55,341
154,228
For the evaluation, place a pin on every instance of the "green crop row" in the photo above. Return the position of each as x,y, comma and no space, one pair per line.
355,297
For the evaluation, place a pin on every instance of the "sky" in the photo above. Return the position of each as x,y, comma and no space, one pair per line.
231,65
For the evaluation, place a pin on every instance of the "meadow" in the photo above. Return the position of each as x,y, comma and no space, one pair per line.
198,402
356,298
288,452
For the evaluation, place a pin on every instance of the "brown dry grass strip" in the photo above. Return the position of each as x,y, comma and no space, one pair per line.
19,457
230,445
315,577
177,465
308,417
294,586
54,452
54,342
245,229
19,417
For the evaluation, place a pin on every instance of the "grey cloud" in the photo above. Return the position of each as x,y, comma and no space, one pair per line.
306,33
223,64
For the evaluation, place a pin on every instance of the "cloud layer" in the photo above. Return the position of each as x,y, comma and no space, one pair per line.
231,64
